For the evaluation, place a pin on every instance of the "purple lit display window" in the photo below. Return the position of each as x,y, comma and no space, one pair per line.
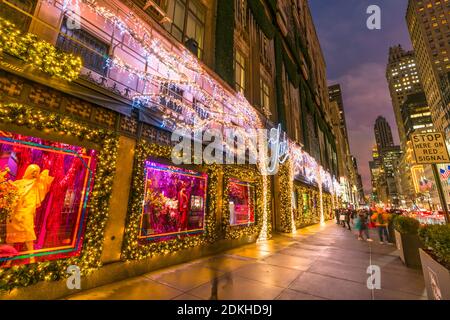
174,202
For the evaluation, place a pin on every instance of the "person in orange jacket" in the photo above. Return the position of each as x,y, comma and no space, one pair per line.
381,219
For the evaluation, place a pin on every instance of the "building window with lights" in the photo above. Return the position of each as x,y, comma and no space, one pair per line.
240,68
188,24
92,50
21,20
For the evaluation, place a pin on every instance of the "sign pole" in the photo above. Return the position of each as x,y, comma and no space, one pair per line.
437,179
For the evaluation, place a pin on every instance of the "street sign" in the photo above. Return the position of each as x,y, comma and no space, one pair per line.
430,148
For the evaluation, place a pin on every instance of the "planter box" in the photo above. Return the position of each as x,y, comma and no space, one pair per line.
391,232
437,277
409,245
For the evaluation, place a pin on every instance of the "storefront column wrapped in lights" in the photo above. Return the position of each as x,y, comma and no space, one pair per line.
320,185
286,185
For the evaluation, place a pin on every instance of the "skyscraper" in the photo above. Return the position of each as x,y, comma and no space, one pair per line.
347,165
375,170
390,164
383,134
416,114
385,163
403,79
335,94
429,29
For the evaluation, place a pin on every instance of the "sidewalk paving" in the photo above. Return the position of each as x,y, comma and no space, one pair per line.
315,263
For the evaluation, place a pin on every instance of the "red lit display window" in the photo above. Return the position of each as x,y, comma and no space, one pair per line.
241,197
44,194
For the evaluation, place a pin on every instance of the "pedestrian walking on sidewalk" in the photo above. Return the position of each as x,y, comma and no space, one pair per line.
381,219
366,214
336,215
347,219
360,224
357,224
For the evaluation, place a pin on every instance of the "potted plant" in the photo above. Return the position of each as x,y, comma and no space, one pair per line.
435,257
391,229
407,239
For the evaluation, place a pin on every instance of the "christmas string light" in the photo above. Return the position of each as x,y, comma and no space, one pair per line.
181,64
186,66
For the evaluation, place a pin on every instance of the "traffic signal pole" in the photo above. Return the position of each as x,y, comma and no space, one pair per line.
437,179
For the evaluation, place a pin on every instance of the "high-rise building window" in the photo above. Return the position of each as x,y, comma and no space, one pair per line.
92,50
21,20
240,67
188,23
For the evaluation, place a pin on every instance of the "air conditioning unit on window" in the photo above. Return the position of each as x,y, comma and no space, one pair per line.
192,45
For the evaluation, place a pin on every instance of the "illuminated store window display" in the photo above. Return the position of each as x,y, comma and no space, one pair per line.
174,202
44,193
241,202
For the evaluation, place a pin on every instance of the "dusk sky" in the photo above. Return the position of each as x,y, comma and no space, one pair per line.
356,58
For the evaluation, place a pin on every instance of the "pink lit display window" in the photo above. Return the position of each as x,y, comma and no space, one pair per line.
241,202
44,193
174,202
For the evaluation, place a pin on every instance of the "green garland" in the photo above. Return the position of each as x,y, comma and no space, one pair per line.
247,174
38,54
89,259
224,54
307,213
132,250
264,22
285,196
328,206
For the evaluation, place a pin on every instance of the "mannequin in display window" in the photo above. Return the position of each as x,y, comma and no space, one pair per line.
183,201
32,189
